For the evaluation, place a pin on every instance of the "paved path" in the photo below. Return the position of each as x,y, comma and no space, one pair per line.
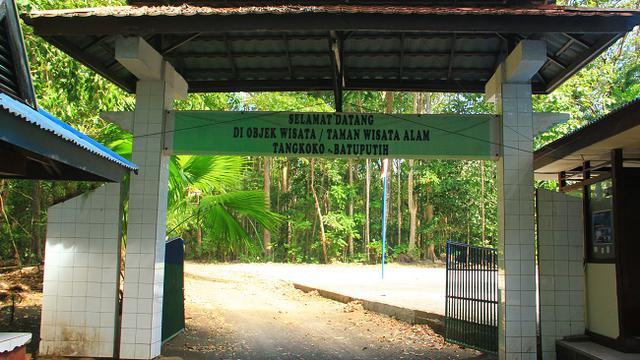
412,287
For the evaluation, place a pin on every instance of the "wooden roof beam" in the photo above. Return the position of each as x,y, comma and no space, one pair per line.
335,53
180,43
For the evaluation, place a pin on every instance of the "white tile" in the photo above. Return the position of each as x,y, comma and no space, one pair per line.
142,351
143,321
107,320
127,351
143,336
529,344
93,319
93,303
79,289
78,304
514,344
145,290
129,321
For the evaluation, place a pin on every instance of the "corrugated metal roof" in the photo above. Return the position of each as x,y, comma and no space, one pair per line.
592,123
297,47
592,141
50,123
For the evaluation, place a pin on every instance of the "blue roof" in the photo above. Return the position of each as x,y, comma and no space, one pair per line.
50,123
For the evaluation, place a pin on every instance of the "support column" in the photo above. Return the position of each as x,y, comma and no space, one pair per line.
144,260
146,229
510,89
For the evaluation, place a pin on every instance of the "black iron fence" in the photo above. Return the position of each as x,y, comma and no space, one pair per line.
471,310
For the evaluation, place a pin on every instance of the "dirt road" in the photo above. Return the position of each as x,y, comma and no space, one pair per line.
232,314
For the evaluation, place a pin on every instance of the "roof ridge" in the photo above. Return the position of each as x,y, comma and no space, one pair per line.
189,9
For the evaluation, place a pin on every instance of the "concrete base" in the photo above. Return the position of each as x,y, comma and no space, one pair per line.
411,316
588,350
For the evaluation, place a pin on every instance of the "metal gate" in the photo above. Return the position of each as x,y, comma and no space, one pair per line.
471,310
173,299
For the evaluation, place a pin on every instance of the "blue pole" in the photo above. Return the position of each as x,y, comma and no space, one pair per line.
384,220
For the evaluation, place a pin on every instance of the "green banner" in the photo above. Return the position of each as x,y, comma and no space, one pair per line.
337,135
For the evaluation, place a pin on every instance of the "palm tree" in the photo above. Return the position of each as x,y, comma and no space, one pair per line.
204,192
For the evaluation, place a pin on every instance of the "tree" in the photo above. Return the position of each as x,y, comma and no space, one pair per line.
413,210
482,204
350,209
367,223
398,175
411,202
323,238
266,234
36,216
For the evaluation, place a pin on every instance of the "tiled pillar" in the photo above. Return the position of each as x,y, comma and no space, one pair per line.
517,287
561,255
144,259
79,307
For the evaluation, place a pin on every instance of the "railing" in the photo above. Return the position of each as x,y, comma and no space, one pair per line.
471,310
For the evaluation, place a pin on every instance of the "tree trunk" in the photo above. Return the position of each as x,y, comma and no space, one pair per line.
323,239
16,252
350,209
399,204
266,235
411,202
289,238
389,199
413,210
482,207
198,239
367,208
36,202
428,216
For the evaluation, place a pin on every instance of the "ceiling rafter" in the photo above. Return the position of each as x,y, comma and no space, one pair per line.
97,40
232,60
452,55
579,41
178,44
335,50
402,54
285,39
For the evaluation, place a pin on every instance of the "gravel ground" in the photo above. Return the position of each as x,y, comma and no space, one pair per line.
233,313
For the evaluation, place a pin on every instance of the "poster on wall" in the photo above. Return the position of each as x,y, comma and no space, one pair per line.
602,235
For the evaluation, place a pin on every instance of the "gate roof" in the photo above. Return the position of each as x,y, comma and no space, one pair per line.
384,46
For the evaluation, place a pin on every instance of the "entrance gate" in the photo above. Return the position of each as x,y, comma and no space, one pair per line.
471,310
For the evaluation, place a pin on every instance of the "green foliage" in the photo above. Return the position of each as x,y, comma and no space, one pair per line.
398,250
215,199
222,216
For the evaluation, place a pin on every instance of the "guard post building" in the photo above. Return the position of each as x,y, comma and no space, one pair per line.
599,166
